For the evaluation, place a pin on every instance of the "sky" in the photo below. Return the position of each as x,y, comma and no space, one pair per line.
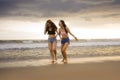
87,19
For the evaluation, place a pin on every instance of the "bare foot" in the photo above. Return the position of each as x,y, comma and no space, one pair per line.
65,62
56,58
62,60
52,61
55,61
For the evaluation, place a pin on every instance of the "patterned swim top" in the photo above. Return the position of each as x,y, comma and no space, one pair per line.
63,33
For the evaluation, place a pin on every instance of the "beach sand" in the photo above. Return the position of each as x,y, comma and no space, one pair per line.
83,71
85,63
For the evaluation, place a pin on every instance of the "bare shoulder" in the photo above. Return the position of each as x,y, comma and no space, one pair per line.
67,28
59,29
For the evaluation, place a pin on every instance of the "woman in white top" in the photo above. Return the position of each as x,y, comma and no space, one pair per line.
65,41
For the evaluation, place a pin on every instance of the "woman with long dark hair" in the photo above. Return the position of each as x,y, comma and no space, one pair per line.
51,29
65,41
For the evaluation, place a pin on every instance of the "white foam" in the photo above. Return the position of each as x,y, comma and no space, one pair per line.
46,62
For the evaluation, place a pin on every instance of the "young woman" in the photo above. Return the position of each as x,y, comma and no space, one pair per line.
51,29
65,41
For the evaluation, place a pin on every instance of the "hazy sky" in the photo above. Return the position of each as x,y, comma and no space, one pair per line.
25,19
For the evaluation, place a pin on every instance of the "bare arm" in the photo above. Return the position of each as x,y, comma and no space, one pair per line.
71,33
59,34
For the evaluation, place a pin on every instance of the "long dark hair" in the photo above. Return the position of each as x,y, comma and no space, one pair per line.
54,27
64,25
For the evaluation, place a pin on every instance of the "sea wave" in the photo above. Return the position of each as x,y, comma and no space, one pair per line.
15,45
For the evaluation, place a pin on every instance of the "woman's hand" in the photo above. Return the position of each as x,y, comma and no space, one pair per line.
56,36
76,39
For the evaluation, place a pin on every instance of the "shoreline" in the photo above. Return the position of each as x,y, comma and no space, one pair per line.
72,52
46,62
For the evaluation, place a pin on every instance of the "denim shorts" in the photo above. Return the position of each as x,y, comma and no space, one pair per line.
51,40
65,40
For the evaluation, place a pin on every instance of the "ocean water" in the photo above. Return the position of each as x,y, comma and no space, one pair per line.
14,54
15,45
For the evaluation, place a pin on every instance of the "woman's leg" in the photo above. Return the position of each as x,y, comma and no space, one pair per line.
63,49
51,51
62,45
54,50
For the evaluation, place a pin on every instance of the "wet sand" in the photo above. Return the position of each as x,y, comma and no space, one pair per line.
82,71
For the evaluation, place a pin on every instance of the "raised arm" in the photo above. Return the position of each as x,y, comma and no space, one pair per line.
71,33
